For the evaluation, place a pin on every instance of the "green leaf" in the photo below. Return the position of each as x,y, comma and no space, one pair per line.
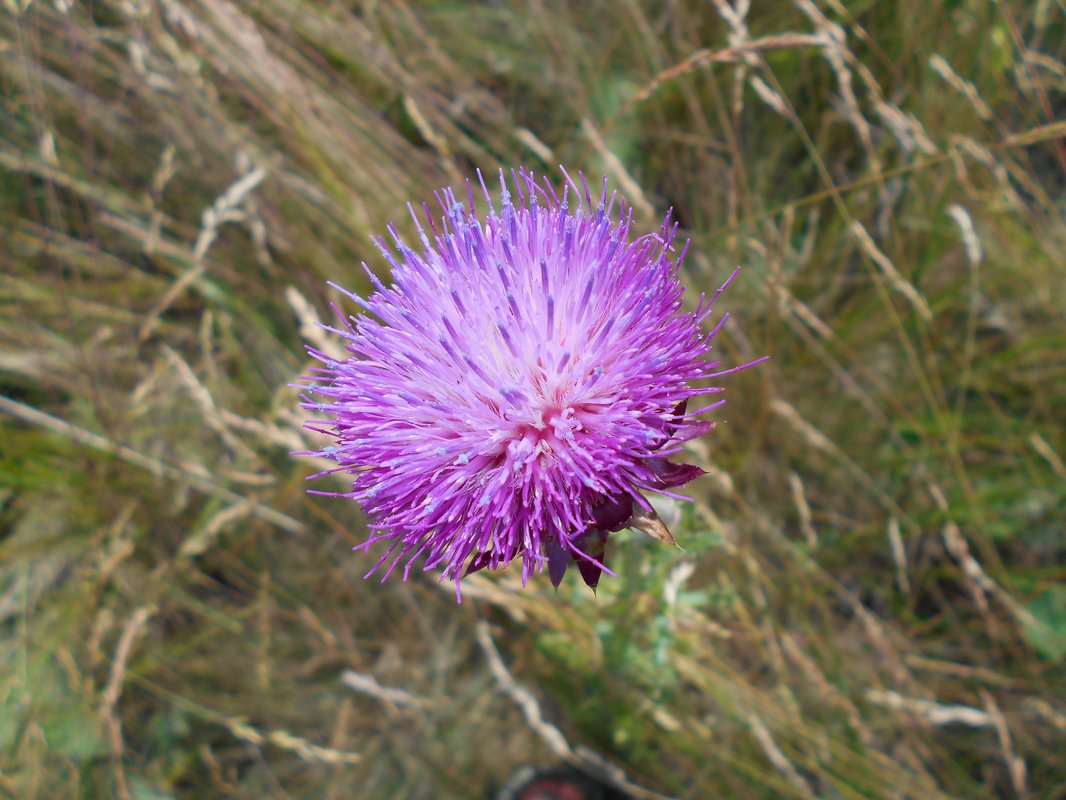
1047,631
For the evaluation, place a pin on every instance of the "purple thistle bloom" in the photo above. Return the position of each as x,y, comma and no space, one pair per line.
519,387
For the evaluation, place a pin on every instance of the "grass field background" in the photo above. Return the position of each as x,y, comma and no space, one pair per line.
871,600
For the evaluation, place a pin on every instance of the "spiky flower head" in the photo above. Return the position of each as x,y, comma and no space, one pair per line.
519,387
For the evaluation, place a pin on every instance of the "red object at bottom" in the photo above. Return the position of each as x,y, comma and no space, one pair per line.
550,789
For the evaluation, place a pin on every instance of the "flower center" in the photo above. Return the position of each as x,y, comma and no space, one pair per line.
552,426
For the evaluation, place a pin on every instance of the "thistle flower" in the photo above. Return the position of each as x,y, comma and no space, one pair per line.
520,385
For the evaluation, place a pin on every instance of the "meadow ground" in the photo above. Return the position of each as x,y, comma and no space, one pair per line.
871,601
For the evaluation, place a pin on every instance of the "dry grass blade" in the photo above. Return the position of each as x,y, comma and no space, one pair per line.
368,685
703,58
192,474
284,740
935,713
898,282
111,694
777,758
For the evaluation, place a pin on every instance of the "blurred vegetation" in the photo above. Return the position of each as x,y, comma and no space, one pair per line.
872,597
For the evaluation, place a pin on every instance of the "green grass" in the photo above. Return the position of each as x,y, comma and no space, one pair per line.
876,559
